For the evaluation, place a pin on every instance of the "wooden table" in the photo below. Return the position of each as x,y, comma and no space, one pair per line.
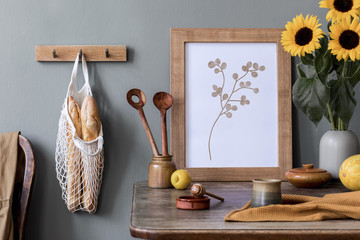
154,216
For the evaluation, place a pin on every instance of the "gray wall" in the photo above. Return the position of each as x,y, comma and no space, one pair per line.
31,93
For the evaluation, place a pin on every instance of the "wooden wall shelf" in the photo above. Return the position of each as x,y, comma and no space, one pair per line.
65,53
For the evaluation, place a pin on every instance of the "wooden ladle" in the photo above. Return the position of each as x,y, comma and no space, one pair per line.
163,101
139,106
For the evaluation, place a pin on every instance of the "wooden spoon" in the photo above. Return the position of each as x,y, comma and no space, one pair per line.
163,101
139,106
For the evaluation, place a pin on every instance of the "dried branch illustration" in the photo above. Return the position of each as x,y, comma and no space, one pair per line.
227,101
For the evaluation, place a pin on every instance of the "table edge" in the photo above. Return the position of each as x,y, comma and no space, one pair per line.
241,233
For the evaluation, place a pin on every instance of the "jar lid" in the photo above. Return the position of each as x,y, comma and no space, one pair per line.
308,168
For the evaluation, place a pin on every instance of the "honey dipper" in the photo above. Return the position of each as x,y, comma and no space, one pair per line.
198,190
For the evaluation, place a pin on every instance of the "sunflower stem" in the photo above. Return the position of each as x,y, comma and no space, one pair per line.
345,69
341,124
331,117
344,73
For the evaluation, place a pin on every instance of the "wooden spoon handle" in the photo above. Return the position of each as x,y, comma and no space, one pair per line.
215,196
148,133
164,134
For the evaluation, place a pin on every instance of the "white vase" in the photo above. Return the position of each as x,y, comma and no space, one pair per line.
335,147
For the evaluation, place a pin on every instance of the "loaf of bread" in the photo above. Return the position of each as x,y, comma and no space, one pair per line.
91,127
90,120
73,162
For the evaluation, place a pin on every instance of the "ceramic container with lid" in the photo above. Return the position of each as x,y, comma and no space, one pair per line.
308,177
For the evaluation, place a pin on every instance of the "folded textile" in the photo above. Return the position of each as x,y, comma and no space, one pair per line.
300,208
8,163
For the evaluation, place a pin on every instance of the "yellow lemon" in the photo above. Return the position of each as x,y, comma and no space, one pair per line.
181,179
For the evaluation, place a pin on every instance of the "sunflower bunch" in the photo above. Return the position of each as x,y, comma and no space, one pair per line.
330,64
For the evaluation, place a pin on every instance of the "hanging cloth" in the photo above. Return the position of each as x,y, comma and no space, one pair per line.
8,162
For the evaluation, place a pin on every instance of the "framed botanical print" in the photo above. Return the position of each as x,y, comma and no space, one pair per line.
231,118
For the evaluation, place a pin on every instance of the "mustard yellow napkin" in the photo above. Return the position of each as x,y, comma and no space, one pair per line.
298,208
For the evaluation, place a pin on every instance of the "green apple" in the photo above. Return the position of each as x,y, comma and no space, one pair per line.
181,179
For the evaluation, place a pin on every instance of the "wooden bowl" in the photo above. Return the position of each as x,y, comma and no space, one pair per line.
308,177
192,203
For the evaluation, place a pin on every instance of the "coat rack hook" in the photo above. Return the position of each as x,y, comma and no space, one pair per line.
67,53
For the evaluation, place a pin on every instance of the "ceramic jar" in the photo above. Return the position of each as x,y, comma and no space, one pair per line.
266,192
308,177
335,147
160,170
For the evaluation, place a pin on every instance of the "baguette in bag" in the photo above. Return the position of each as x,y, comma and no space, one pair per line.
73,158
91,127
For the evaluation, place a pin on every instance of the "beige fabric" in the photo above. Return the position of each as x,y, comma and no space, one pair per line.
8,159
297,208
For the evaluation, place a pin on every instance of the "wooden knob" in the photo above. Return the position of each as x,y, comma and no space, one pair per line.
308,166
198,190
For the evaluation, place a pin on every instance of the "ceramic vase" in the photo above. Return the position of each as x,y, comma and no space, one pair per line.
335,147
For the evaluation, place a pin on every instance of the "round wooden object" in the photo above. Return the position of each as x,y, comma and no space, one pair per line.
192,203
308,177
198,190
163,101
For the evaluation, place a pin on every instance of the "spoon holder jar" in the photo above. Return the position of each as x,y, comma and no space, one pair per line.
160,170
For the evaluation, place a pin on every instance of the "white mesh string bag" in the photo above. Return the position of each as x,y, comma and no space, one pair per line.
79,164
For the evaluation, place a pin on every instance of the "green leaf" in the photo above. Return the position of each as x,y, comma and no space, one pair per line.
311,71
324,41
307,59
310,96
300,71
323,65
343,100
337,65
355,74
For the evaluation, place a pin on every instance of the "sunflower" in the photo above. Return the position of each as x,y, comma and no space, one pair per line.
302,35
341,9
345,39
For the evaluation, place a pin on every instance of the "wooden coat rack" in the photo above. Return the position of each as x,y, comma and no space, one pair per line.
65,53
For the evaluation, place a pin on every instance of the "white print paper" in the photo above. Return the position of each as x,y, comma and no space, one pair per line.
231,105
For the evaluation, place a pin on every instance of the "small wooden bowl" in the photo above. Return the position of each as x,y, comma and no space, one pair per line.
308,177
192,203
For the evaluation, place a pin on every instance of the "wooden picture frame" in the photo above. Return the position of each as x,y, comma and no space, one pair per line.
182,36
